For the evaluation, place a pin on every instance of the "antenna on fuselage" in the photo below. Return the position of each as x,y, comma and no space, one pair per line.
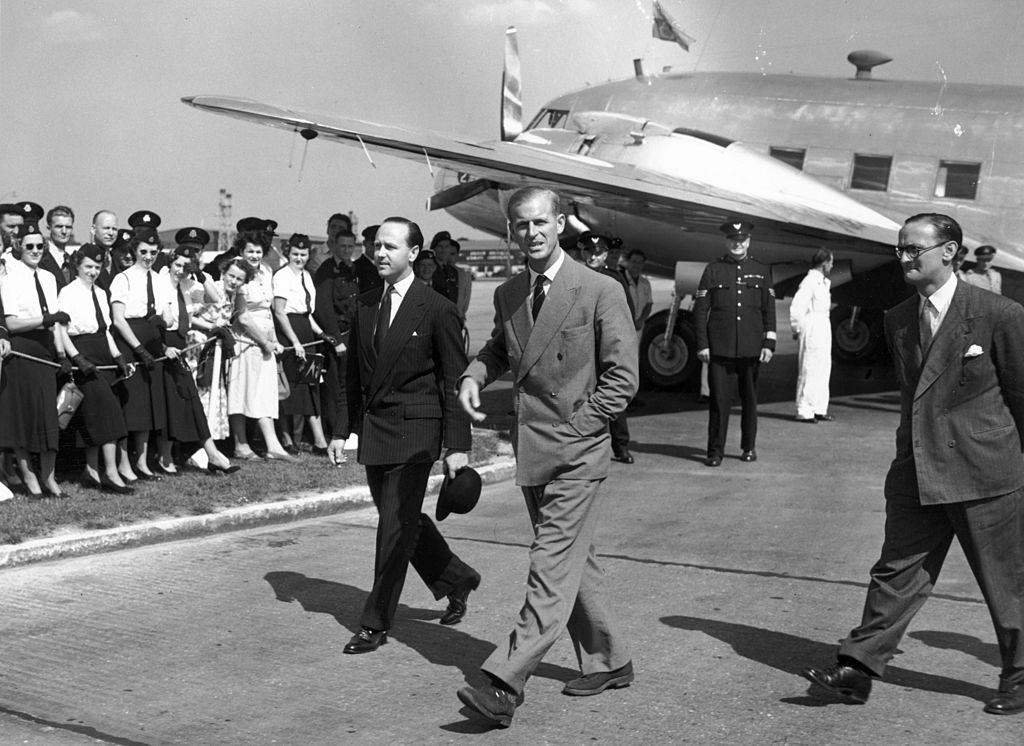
864,60
511,89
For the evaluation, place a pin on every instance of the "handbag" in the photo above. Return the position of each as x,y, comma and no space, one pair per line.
283,389
311,370
68,399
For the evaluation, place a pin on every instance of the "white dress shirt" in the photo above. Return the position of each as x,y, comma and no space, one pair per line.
18,290
75,299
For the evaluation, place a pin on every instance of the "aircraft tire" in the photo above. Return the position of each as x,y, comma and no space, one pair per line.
670,367
860,342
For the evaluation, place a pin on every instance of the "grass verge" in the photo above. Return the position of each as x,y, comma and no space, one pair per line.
196,492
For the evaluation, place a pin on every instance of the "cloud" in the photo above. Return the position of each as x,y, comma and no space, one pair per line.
73,26
523,12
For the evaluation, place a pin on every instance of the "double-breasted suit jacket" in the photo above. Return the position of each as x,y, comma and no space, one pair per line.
574,369
962,403
402,401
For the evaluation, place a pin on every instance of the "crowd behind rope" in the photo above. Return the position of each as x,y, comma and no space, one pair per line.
130,358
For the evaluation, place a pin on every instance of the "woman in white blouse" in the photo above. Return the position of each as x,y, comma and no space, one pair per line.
98,424
28,390
294,301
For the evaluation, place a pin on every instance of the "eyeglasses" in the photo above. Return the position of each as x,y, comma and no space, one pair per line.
915,251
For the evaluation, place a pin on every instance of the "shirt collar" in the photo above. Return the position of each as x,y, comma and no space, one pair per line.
942,297
550,272
402,286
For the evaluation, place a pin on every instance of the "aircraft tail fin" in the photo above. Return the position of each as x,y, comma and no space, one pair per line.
511,89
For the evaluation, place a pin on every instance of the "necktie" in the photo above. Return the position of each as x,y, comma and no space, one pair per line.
183,321
925,323
383,319
101,324
302,279
150,298
39,292
538,295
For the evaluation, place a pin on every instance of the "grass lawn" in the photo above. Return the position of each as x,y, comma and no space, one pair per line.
196,492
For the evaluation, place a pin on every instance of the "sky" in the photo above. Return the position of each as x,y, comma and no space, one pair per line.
90,111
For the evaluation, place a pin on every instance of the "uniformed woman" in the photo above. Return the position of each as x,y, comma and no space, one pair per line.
98,424
28,389
186,418
139,303
294,300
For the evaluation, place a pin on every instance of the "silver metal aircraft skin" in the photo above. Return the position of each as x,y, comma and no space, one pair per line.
661,161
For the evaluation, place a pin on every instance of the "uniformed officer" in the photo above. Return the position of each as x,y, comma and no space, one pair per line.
735,318
981,274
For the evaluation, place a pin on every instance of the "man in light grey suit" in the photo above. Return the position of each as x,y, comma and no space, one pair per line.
566,334
958,471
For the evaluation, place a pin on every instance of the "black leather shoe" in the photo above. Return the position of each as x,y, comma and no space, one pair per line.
848,682
623,455
806,420
1009,701
115,489
89,483
229,469
495,704
319,451
367,640
143,476
595,683
158,469
825,417
457,601
713,461
749,456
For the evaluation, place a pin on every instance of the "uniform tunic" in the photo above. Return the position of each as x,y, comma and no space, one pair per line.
299,293
99,418
143,399
990,279
809,317
734,315
28,390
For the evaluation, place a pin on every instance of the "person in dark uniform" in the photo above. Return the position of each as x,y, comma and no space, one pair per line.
734,314
104,232
98,424
28,390
60,222
594,248
139,303
186,418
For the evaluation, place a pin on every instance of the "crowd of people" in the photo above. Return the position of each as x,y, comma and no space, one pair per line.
131,357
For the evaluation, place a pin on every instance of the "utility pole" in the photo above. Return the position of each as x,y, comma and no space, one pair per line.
225,228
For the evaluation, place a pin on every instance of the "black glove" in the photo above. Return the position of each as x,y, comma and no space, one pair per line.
157,322
65,365
199,276
144,357
85,366
122,367
49,319
328,339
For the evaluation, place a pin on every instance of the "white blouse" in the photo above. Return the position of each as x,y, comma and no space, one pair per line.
75,300
296,288
18,291
129,288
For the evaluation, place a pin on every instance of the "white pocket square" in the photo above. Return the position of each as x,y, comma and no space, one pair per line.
973,351
416,334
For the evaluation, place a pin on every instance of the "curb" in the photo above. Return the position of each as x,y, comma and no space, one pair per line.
302,506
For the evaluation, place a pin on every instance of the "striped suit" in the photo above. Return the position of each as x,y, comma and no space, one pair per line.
402,405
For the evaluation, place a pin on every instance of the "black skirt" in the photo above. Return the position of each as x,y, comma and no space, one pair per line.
28,395
142,397
99,418
186,418
305,397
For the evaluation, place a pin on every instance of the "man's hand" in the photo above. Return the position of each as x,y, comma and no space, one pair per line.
5,348
454,461
469,398
336,451
766,355
704,355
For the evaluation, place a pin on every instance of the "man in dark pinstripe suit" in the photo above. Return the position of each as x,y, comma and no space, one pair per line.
405,360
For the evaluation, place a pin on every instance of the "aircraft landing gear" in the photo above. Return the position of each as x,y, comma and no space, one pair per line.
857,334
668,363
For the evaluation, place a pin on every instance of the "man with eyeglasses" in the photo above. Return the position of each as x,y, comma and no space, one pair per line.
958,471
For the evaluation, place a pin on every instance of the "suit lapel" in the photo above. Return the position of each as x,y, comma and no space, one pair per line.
409,315
560,299
519,295
906,341
947,344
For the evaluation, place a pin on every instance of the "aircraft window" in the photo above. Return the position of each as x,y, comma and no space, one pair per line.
957,180
871,172
550,118
791,156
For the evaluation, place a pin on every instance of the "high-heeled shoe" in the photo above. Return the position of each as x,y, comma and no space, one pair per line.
229,469
115,489
161,469
90,483
286,457
250,456
148,477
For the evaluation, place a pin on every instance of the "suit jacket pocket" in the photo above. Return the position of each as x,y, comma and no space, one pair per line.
423,411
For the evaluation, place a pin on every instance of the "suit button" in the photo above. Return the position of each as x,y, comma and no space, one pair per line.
951,443
559,355
738,318
554,393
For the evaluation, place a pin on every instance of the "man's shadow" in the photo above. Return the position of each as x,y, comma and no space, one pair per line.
790,654
983,651
688,453
417,628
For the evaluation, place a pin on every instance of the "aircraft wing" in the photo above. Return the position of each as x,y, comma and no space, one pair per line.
725,182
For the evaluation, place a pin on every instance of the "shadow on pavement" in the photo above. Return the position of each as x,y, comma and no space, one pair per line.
983,651
790,654
417,628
